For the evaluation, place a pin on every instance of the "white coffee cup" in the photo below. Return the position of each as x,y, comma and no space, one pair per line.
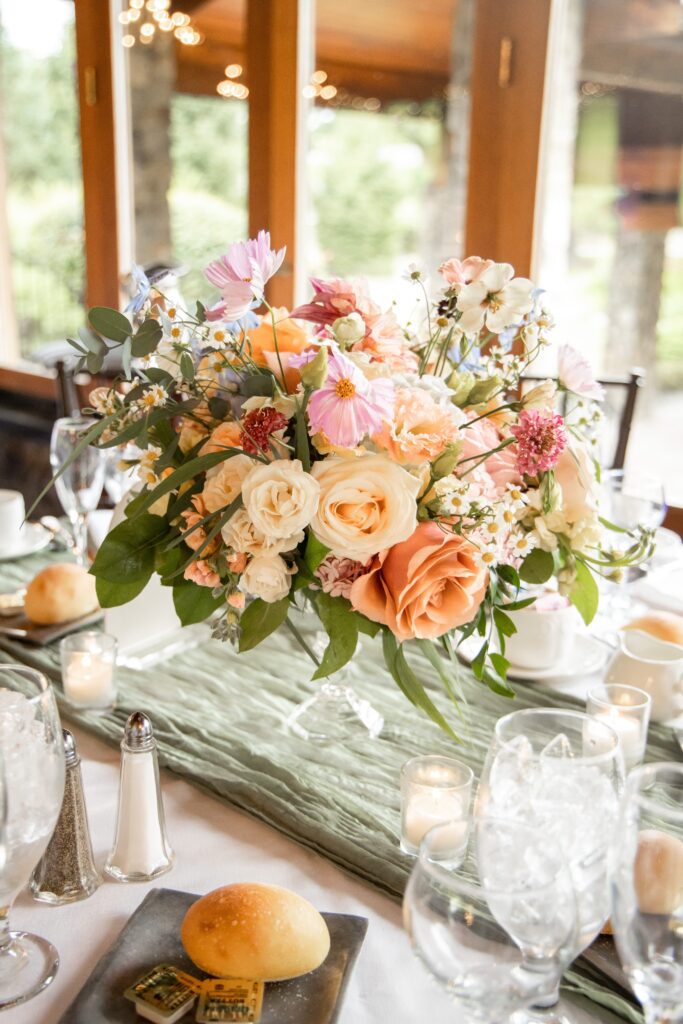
544,634
12,512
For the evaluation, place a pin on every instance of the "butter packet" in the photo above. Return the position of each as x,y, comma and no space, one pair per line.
230,999
164,994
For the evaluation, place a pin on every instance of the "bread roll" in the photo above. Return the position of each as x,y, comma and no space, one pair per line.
60,593
664,625
260,932
658,872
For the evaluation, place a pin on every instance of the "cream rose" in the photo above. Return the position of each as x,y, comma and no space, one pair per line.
366,504
280,498
240,534
575,474
268,577
223,485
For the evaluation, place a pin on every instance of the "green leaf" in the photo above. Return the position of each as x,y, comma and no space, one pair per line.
509,575
156,375
127,552
504,623
111,595
194,604
410,685
126,356
477,663
110,323
431,652
260,619
200,313
584,594
187,472
500,664
166,561
366,626
303,451
187,366
92,341
499,686
315,552
146,338
515,606
218,407
537,567
94,361
342,630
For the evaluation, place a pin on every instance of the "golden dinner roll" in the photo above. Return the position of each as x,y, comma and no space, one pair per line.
664,625
60,593
658,872
260,932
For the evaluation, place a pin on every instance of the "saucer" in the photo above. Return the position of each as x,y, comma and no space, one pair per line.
33,538
587,656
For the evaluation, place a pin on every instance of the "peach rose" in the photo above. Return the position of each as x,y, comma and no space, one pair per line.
420,428
366,505
291,340
226,435
423,587
482,437
224,482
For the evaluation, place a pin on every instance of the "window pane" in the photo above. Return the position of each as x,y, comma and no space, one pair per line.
43,187
612,242
188,113
389,125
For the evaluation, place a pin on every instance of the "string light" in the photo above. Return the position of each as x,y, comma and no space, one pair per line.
233,71
318,89
231,89
158,16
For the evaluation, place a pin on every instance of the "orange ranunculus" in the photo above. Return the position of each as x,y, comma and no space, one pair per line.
226,435
422,587
291,340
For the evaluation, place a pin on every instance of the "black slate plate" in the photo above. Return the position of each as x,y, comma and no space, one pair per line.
152,936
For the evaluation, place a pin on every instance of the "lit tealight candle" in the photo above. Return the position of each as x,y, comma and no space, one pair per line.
434,790
88,664
627,710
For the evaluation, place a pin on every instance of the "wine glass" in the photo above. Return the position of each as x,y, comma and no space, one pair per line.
647,889
32,756
563,772
631,499
80,485
475,925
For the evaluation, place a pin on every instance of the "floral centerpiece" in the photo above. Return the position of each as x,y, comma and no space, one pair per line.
396,476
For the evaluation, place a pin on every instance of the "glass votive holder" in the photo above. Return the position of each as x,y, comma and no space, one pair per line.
627,710
435,790
88,670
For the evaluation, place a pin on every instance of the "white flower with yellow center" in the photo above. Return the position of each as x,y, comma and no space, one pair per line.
219,336
521,543
153,398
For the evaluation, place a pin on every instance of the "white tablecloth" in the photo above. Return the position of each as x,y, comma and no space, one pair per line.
215,845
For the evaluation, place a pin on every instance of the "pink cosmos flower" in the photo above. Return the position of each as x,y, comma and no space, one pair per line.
338,297
241,275
348,405
576,375
541,439
337,575
459,272
201,573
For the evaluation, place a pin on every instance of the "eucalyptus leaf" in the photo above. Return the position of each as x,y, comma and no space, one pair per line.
110,323
126,554
187,366
146,338
126,357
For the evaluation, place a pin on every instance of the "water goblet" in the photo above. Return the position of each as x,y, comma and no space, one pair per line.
647,889
563,772
32,787
475,926
79,486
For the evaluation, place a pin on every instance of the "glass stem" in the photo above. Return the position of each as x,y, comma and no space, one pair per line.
5,937
80,531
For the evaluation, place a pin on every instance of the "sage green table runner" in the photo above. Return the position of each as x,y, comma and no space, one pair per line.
218,722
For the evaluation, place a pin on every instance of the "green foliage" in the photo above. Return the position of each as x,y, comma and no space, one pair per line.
409,684
260,619
127,552
585,595
537,567
194,604
111,595
340,624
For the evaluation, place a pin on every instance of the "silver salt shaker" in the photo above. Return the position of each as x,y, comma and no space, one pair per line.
141,849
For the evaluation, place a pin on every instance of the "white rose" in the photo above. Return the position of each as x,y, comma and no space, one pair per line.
280,498
546,538
366,504
224,485
575,474
240,534
349,329
268,577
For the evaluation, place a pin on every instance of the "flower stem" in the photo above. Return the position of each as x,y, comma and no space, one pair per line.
302,643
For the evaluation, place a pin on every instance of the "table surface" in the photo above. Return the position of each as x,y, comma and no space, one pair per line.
215,845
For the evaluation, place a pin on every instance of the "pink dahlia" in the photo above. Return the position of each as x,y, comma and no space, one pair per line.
337,575
541,439
348,405
241,275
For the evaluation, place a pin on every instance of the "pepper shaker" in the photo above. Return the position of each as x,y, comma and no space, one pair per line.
66,871
141,849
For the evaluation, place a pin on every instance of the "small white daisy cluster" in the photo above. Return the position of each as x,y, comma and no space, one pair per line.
147,465
503,538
